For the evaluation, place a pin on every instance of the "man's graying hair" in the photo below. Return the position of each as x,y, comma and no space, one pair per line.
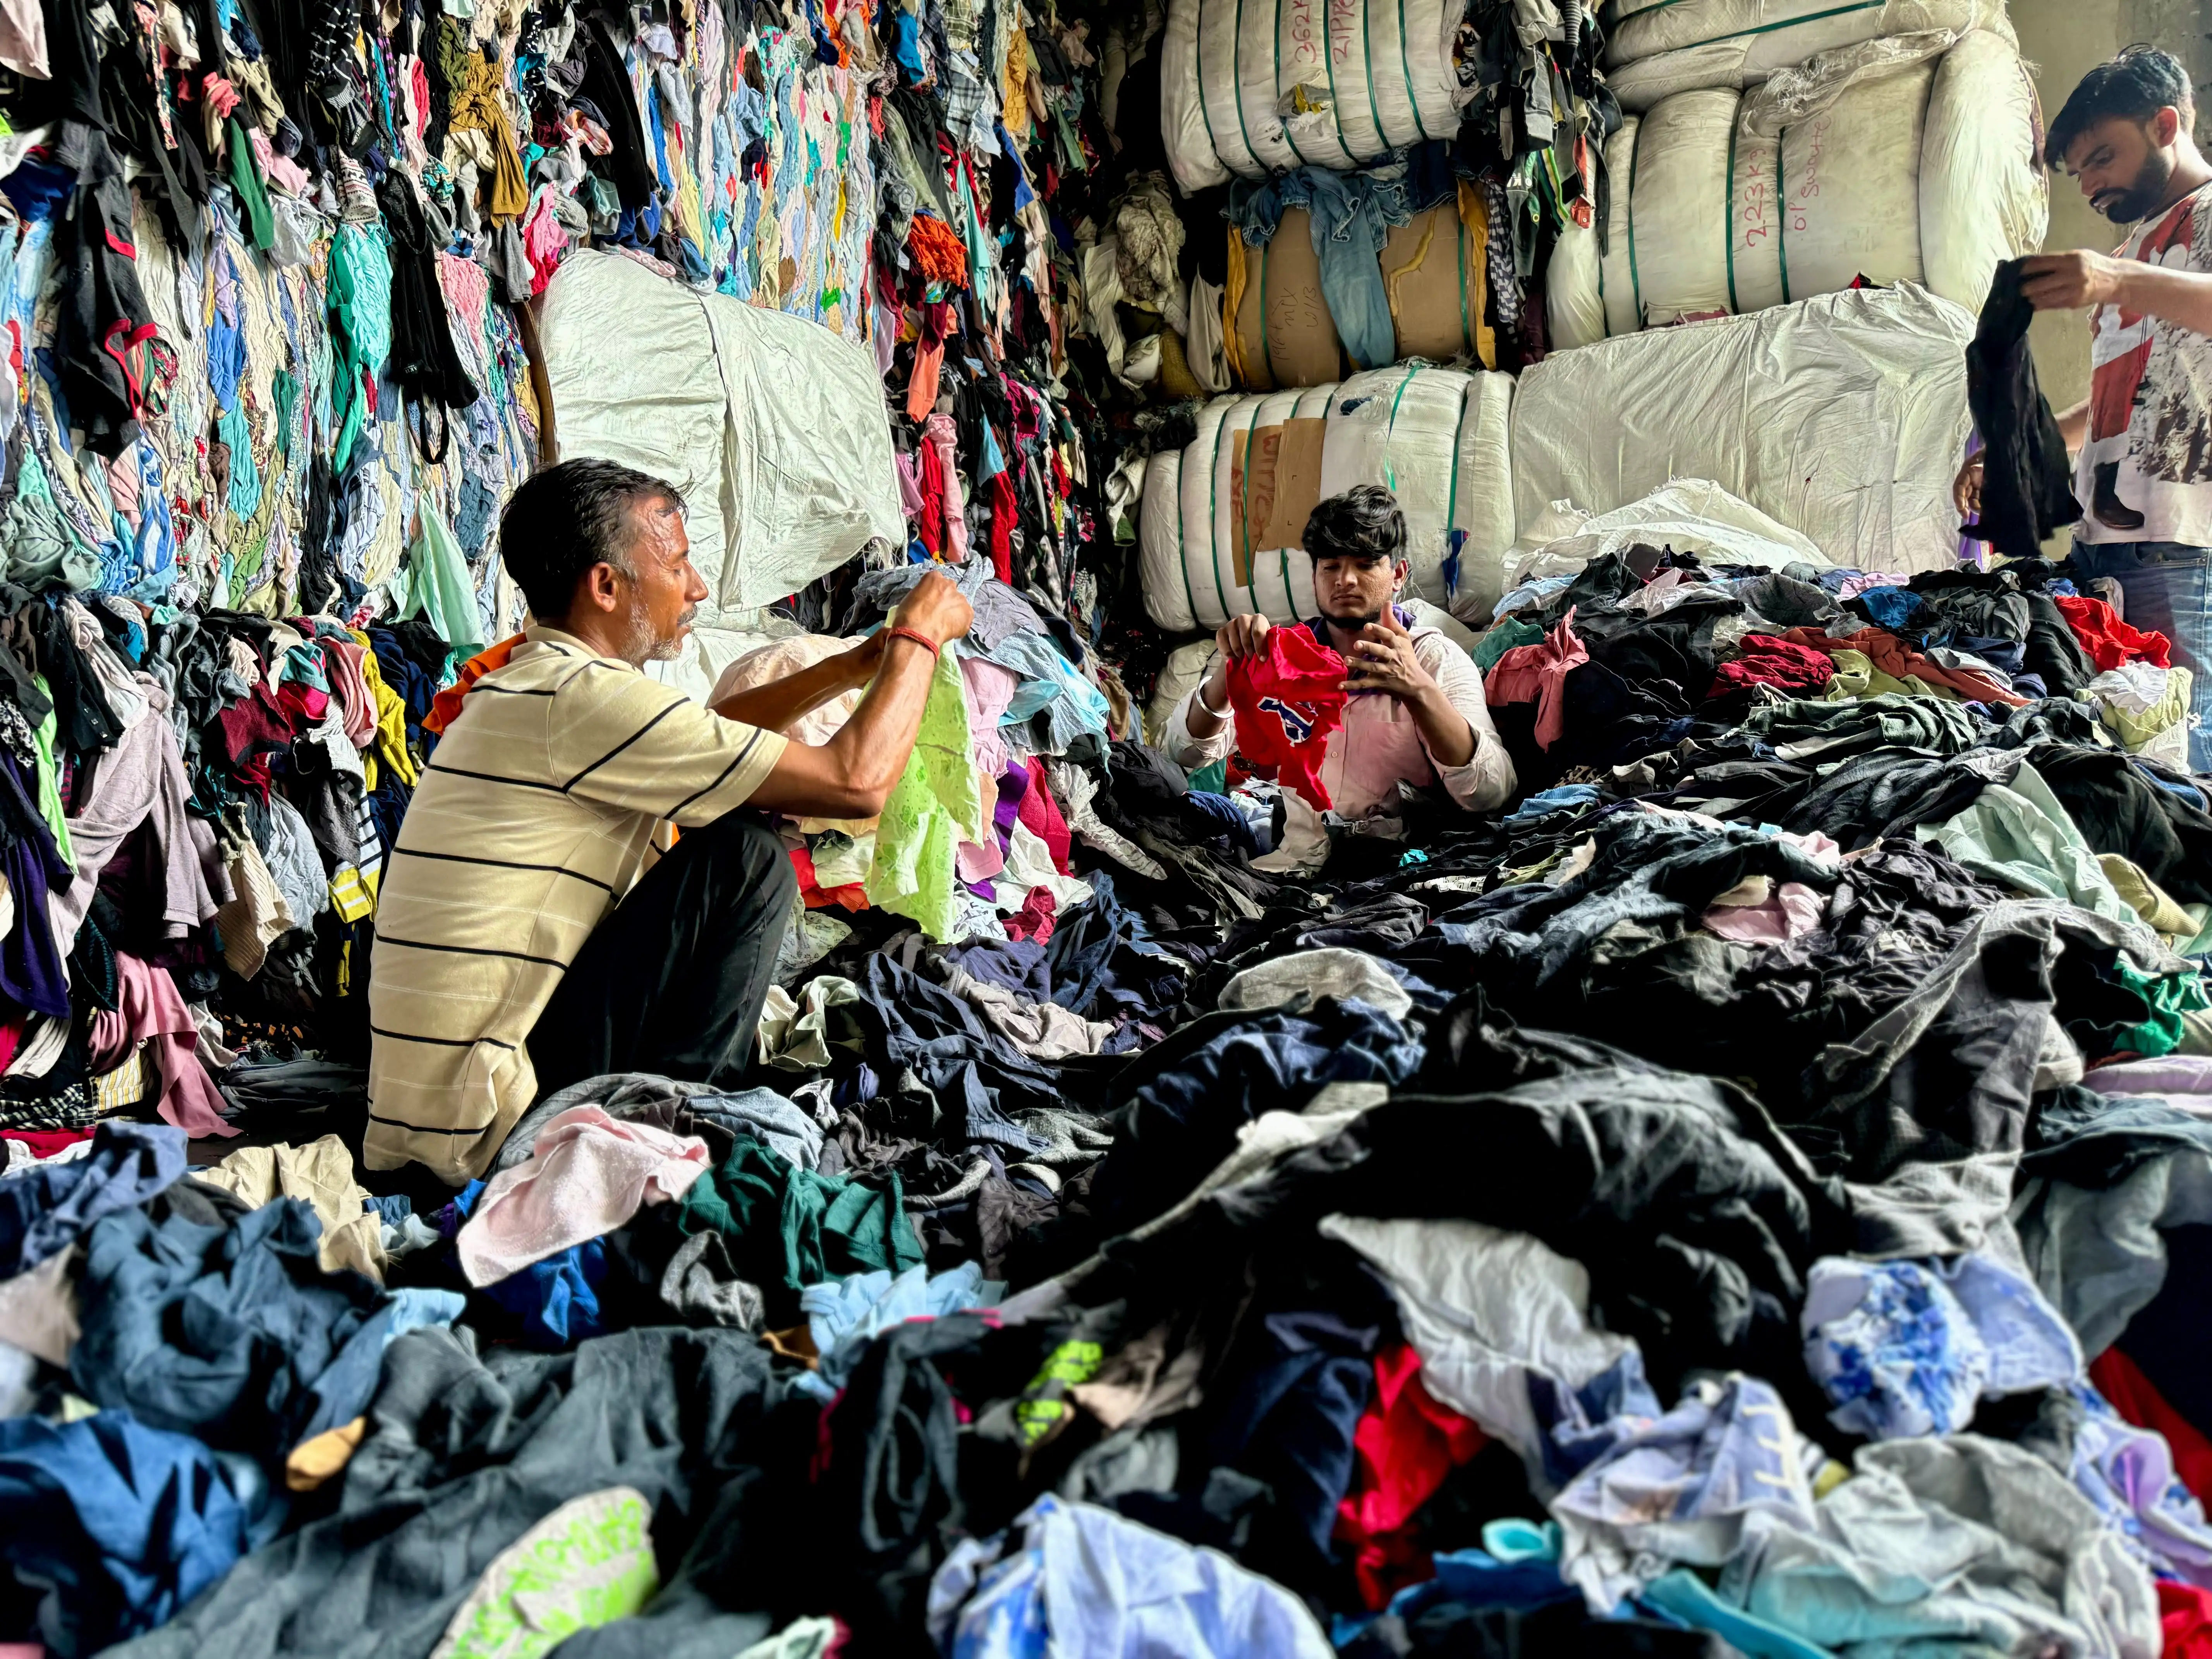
568,518
1363,523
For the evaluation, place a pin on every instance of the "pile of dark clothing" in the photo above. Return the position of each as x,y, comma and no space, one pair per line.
1742,1199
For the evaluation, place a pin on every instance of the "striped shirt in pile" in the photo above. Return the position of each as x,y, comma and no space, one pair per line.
533,817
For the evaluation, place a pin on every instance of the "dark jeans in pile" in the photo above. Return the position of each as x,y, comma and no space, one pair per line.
673,980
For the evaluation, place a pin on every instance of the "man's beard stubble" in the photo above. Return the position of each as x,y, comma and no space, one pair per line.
2140,199
640,645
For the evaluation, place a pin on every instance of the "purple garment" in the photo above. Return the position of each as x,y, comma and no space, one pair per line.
1018,965
31,972
2128,1474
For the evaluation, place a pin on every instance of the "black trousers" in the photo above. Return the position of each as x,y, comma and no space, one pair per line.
673,980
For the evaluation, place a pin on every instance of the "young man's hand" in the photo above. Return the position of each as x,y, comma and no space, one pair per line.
1244,636
1383,659
2073,280
1966,489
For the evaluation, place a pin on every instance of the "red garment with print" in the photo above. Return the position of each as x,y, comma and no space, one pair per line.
1289,701
1406,1444
2110,642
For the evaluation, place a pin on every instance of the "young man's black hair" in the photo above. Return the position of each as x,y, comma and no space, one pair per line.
1363,523
2133,86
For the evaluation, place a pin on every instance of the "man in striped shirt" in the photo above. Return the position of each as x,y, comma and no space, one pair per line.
518,947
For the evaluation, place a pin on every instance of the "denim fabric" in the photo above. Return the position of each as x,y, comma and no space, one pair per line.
125,1523
233,1334
44,1211
2168,589
1353,214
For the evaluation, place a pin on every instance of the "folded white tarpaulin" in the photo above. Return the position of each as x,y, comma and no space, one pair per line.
1906,159
1656,48
1844,418
1257,87
1221,521
772,426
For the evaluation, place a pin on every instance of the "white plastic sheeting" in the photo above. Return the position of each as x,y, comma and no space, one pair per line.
1907,160
1656,48
1439,437
771,426
1690,516
1844,418
1257,87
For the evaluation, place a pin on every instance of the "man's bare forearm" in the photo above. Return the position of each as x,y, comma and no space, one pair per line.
2181,297
779,704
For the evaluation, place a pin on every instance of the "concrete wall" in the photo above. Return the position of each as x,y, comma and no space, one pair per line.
2063,39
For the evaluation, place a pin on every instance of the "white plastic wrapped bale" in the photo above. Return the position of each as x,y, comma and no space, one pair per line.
1220,524
1844,418
771,426
1256,89
1908,159
1655,49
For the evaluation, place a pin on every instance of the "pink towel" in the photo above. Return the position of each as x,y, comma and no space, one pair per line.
588,1175
1537,673
149,1008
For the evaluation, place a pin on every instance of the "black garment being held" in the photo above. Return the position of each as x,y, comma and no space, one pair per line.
2026,492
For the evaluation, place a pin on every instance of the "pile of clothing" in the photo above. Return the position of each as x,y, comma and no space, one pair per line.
1744,1198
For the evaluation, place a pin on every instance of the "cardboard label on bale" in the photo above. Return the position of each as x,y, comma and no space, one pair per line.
1252,486
1433,283
1296,483
1284,329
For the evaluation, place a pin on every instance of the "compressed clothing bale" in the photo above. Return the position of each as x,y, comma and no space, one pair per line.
1912,159
1223,518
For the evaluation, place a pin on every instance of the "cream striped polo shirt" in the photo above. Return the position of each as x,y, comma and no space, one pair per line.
533,817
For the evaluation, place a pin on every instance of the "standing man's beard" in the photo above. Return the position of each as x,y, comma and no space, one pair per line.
2140,199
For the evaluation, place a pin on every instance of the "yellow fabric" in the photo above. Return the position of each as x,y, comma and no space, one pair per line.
314,1462
1857,677
350,895
1175,378
390,746
1474,218
477,105
124,1086
2157,907
321,1173
1396,280
1232,303
1016,101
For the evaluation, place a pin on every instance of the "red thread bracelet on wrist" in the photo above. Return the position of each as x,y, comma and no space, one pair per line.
917,635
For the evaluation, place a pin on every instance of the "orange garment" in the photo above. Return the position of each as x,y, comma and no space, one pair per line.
937,251
1900,661
448,703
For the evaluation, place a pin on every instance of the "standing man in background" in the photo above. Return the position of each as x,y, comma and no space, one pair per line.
2142,441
